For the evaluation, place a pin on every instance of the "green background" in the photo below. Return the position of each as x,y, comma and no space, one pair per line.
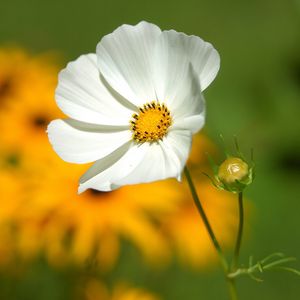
255,96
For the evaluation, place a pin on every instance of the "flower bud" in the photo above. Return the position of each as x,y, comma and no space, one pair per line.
234,174
233,169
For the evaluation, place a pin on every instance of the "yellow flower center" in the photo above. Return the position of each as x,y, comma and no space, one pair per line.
151,123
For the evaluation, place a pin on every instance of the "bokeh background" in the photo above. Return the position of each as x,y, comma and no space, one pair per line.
126,245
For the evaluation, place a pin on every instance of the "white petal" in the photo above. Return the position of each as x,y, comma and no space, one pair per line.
83,95
79,142
157,164
193,123
179,142
175,78
125,59
162,160
188,106
188,100
132,164
170,67
177,83
105,172
204,58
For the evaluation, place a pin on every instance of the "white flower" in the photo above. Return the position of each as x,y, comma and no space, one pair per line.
133,106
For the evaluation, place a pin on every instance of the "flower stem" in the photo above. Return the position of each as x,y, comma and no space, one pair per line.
205,219
240,233
232,289
230,282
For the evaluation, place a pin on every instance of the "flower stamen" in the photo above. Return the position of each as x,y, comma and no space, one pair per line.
151,123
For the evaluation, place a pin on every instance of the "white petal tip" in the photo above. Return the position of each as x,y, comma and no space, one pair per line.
104,188
81,189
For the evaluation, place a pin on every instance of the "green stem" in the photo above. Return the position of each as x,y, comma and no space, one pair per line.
240,233
205,219
231,284
232,289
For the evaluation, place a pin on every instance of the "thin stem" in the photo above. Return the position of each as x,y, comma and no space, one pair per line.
205,220
240,232
230,281
232,289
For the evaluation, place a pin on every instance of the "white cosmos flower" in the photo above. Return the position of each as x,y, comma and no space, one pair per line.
133,106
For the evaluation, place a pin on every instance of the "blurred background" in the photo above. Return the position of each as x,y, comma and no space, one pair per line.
125,244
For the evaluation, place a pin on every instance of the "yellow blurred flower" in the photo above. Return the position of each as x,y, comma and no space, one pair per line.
27,103
96,290
94,221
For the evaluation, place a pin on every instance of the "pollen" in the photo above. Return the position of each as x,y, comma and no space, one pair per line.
151,123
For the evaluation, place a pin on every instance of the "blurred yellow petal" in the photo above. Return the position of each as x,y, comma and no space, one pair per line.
11,191
123,292
96,290
148,238
83,242
108,251
28,243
